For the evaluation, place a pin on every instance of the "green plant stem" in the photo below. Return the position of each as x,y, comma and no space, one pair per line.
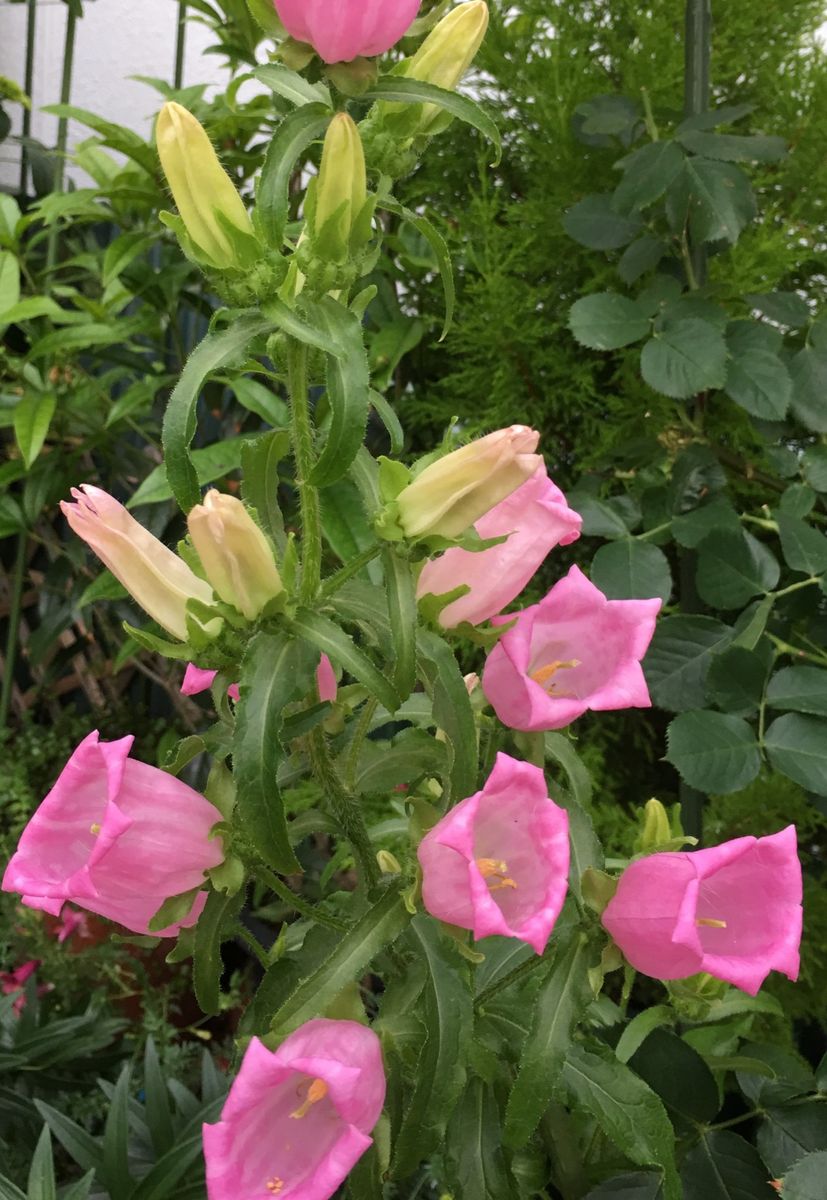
303,450
361,732
255,945
794,651
796,587
757,1112
28,87
345,807
13,634
649,116
649,533
180,43
332,585
62,133
309,911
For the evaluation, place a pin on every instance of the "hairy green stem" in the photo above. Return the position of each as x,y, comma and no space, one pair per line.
345,807
361,732
309,911
13,634
254,944
304,452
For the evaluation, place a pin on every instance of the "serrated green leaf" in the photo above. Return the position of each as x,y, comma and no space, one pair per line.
348,392
595,223
799,689
797,747
736,679
632,1185
713,752
384,766
804,547
474,1156
732,568
607,321
565,993
758,381
808,371
632,570
723,1166
292,86
276,670
731,147
678,659
641,256
716,197
648,172
691,528
293,136
814,466
785,308
684,358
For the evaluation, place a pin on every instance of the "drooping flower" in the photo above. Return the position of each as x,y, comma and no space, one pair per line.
206,198
159,580
573,651
536,518
733,911
498,862
235,554
297,1119
341,30
116,837
449,495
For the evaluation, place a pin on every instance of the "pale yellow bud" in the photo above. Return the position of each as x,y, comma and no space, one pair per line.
341,192
455,491
235,554
446,54
200,186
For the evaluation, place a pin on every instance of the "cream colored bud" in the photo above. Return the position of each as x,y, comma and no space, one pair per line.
235,554
446,54
388,863
341,192
200,186
449,495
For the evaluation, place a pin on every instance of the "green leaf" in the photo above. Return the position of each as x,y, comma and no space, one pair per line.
804,548
750,626
805,1179
210,463
32,417
10,1191
641,256
595,223
730,147
160,1182
80,1145
736,680
440,249
346,527
647,173
678,660
814,466
716,197
260,459
291,322
401,589
157,1107
632,570
712,751
215,351
452,712
732,568
353,954
758,381
414,753
691,528
797,747
348,392
586,850
633,1185
293,136
292,86
785,308
41,1182
564,995
122,251
276,670
398,89
329,639
684,358
257,398
679,1075
116,1139
607,321
789,1132
214,925
387,415
800,689
116,137
808,371
625,1108
639,1028
440,1072
723,1166
9,283
473,1147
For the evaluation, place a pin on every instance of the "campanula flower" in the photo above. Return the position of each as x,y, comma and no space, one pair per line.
341,30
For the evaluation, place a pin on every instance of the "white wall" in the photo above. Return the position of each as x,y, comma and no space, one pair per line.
115,39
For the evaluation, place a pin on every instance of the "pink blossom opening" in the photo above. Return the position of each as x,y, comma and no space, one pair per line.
341,30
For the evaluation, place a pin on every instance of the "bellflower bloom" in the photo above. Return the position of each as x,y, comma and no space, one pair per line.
536,518
200,186
116,837
499,861
157,579
449,495
573,651
733,911
341,30
297,1119
235,554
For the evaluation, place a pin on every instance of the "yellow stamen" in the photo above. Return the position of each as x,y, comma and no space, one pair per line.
495,869
316,1092
95,829
275,1185
544,675
710,922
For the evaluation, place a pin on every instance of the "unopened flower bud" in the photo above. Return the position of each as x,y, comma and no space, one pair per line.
235,554
455,491
656,831
341,191
206,197
388,863
444,57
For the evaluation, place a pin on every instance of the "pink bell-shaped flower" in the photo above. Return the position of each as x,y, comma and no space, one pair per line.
197,680
573,651
536,518
733,911
297,1119
116,837
341,30
498,862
